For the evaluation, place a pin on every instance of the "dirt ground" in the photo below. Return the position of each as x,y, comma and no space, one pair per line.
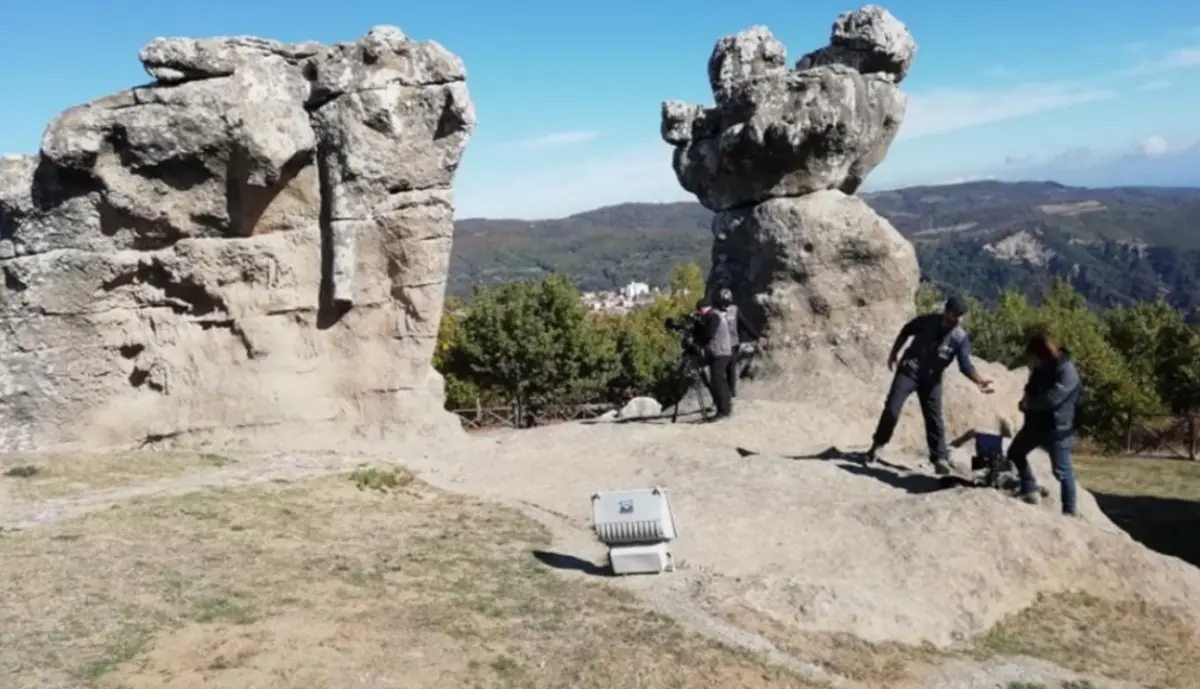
363,580
369,577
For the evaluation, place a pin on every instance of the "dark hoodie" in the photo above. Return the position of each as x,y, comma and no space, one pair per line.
1051,396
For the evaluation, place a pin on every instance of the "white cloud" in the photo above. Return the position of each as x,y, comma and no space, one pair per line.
644,173
1151,147
556,139
1151,162
1155,85
1179,58
946,110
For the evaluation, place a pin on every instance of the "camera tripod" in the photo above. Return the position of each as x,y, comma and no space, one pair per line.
690,372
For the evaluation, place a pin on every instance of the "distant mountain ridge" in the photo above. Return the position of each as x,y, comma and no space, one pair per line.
1116,245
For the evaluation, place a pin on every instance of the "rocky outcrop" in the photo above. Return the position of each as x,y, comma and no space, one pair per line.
779,157
253,246
779,132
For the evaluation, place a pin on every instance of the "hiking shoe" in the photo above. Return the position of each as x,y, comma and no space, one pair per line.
942,468
869,457
1031,498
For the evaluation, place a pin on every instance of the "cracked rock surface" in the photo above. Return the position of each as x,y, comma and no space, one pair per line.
252,247
779,157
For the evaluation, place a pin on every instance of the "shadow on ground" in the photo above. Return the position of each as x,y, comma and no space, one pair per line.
1167,525
894,475
571,563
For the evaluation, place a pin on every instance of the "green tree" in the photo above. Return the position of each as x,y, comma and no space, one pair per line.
1161,349
687,281
929,298
998,333
532,342
647,352
461,392
1178,374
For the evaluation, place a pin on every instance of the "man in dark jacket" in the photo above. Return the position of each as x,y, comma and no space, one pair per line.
1051,396
937,339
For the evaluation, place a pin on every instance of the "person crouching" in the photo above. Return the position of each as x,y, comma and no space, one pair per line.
1051,396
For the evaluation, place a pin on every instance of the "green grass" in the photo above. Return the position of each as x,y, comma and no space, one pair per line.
1156,501
1140,476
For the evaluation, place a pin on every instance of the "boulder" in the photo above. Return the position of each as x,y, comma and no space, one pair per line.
640,408
251,248
779,157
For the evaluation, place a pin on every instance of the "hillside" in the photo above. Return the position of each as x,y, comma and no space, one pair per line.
1113,244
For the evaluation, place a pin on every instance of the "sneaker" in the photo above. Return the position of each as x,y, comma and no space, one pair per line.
941,467
870,456
1031,498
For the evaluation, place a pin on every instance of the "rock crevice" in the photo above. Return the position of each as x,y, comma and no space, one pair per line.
266,225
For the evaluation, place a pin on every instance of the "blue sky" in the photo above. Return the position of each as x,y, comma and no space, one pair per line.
568,94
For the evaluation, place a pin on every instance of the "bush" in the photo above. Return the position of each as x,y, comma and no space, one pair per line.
535,342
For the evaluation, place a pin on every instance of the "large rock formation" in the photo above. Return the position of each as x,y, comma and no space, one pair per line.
778,158
253,246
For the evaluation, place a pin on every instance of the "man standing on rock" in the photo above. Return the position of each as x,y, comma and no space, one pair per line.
937,339
1049,405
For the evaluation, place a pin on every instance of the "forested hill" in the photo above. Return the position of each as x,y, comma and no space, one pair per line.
1115,245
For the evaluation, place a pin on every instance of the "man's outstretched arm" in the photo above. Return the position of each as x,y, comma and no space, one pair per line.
966,366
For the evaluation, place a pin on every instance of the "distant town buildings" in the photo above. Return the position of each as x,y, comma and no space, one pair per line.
630,296
635,289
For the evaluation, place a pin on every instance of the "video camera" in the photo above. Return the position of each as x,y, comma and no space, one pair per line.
687,327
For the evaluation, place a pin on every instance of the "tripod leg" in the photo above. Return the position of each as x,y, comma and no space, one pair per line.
680,374
705,385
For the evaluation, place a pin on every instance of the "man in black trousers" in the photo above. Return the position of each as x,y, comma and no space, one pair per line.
937,339
717,344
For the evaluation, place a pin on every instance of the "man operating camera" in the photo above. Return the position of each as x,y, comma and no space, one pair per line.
705,339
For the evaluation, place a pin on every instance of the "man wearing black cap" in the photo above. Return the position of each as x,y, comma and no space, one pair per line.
937,339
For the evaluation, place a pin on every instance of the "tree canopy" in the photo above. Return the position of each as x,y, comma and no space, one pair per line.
535,343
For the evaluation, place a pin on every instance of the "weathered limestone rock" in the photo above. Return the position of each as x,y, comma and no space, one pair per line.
253,247
870,41
780,132
778,158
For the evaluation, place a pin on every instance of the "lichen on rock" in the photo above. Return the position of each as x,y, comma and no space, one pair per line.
252,246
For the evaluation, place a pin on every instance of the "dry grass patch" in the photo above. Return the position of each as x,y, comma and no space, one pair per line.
44,476
369,580
1156,501
1132,641
873,664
